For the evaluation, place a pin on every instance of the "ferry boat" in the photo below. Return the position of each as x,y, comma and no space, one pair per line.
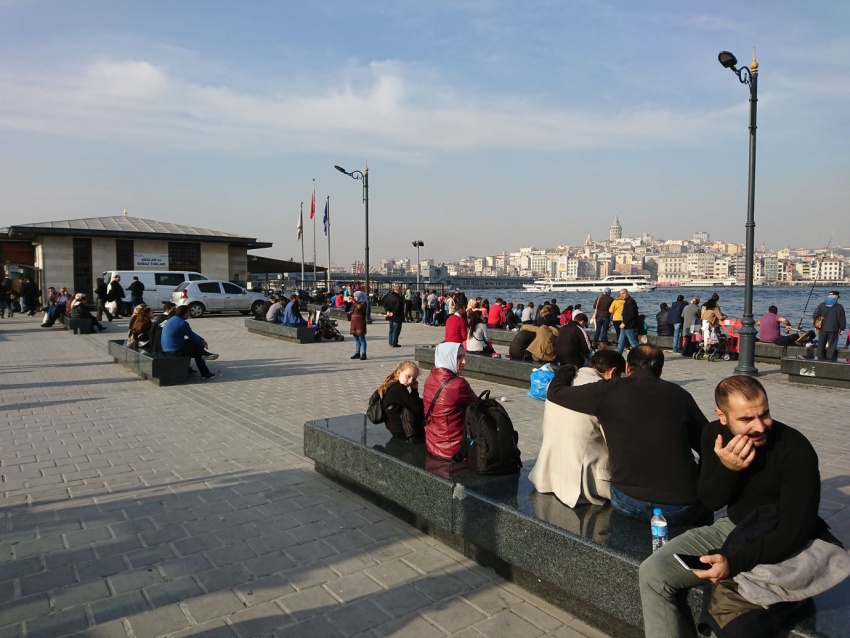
708,283
632,283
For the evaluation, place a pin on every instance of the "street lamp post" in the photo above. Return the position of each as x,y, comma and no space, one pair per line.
363,176
746,356
418,244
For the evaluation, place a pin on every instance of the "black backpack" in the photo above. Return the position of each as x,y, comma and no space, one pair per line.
375,411
490,441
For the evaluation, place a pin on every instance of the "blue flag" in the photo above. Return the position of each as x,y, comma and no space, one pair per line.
326,219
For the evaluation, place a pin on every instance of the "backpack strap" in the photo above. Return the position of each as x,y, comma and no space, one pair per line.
434,400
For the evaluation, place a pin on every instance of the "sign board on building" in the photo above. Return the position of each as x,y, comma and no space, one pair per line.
151,260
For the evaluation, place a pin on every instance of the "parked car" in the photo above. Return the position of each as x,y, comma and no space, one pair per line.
159,284
215,295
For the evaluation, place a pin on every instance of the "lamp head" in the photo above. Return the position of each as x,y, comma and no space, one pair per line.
728,60
342,170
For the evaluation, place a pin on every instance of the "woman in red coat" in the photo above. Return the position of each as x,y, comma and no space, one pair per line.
444,429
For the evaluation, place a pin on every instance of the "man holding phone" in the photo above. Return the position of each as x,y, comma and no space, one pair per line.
748,461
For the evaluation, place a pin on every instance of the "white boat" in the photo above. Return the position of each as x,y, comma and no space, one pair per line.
632,283
708,283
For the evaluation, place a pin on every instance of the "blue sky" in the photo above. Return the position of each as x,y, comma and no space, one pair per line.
486,125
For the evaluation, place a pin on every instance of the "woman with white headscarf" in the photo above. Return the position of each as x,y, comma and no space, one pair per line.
450,394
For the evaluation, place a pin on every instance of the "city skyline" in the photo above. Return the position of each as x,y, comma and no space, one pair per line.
484,124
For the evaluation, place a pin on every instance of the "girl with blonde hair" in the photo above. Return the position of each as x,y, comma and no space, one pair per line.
404,414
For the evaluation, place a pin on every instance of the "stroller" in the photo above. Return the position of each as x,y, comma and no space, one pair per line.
325,327
723,342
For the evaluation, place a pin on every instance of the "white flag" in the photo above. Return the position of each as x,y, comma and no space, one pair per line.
300,224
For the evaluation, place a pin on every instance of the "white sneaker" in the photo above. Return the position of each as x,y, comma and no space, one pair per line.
211,356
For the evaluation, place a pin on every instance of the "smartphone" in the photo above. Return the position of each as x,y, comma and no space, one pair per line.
691,562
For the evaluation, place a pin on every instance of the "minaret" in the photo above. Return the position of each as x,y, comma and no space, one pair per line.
616,231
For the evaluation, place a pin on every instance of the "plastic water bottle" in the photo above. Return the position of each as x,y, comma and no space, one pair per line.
659,529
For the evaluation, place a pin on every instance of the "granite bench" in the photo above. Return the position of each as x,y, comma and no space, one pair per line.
334,313
504,337
77,326
157,369
823,373
772,353
278,331
497,370
584,560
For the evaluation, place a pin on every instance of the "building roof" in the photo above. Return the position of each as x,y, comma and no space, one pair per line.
129,228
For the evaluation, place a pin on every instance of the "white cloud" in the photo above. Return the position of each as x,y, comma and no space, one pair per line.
385,107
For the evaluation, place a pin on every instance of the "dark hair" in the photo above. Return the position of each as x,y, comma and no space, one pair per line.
168,304
569,308
604,360
646,357
554,301
664,305
474,320
460,300
715,297
181,311
680,298
485,304
580,317
711,304
773,309
747,387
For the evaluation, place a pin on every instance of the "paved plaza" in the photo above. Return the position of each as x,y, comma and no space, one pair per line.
135,511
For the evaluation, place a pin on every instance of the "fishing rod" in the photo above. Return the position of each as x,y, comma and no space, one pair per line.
815,281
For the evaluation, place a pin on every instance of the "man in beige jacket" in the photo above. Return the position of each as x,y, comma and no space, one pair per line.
573,459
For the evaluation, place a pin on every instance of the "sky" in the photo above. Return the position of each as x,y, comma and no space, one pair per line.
486,125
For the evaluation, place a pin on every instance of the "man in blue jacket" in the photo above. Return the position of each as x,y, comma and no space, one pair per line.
674,318
178,339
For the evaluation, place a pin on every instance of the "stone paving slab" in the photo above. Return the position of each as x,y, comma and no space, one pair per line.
132,510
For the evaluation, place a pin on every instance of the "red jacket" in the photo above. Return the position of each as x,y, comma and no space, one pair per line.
456,329
444,431
495,318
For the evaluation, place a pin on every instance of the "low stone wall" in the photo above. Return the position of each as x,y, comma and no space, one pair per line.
159,370
823,373
497,370
77,326
278,331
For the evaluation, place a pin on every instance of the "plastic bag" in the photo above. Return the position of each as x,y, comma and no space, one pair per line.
540,380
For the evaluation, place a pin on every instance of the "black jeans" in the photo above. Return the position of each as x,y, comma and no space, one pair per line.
196,351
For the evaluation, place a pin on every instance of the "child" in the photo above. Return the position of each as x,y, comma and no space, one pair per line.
405,417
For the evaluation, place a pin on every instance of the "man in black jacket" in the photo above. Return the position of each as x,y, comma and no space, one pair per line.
749,462
652,428
603,317
674,320
572,345
629,324
834,324
393,303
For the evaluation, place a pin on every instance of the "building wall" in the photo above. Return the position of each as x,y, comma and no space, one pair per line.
55,257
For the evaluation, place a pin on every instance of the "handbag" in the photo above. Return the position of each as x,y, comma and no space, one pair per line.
112,307
132,341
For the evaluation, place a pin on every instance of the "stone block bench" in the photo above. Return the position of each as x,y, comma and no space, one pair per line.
504,337
772,353
335,313
584,560
504,371
278,331
823,373
77,326
157,369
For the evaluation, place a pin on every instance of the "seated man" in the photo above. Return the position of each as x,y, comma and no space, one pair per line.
80,311
652,428
542,349
292,314
573,345
178,339
274,313
769,328
749,461
573,459
518,350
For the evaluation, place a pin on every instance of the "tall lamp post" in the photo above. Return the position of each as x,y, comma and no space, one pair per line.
418,244
748,76
363,176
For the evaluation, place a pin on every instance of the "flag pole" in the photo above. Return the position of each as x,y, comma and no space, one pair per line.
328,232
313,215
301,237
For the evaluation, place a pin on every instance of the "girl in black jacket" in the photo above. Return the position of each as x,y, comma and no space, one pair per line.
405,416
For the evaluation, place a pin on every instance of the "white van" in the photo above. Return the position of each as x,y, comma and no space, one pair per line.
159,284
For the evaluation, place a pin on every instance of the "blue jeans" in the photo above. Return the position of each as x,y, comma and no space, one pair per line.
631,335
395,331
642,510
677,336
359,344
602,326
426,315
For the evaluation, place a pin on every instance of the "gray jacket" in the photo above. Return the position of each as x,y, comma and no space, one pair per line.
834,319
